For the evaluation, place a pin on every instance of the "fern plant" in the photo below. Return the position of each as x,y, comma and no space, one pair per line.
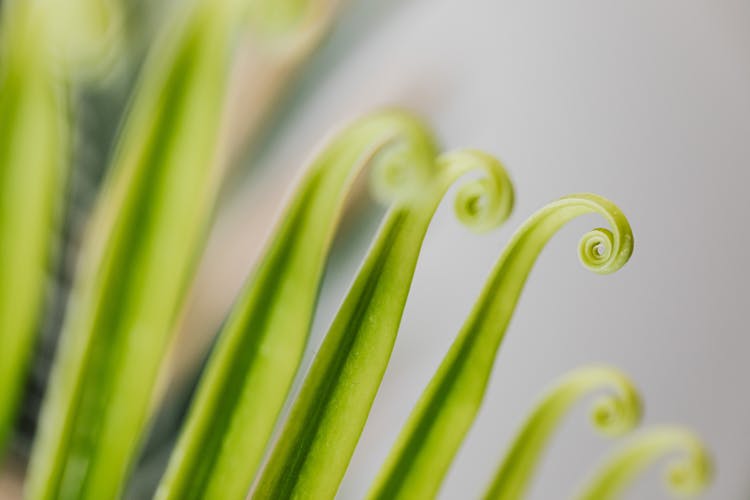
144,239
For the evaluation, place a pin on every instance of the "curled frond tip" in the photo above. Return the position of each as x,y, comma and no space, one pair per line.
603,250
481,203
688,474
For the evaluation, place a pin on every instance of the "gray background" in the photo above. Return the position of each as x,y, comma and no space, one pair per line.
644,101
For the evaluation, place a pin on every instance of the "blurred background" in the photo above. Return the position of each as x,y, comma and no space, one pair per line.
646,102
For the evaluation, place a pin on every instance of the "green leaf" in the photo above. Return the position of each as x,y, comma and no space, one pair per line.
685,477
273,18
138,258
33,171
88,34
425,449
260,346
325,423
614,414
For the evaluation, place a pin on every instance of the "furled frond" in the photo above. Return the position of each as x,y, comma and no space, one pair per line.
442,417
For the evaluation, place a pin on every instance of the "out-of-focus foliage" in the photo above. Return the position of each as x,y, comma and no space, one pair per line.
33,167
141,249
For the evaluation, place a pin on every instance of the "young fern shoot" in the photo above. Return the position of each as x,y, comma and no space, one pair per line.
327,418
688,476
250,371
615,413
433,433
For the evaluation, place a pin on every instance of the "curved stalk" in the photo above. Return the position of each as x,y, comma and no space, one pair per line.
689,475
33,172
613,414
327,418
140,252
437,426
251,369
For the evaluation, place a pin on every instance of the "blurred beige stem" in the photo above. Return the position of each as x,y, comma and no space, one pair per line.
261,72
11,480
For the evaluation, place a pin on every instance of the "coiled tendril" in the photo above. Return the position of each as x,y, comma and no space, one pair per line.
689,474
398,170
595,247
483,203
614,413
605,252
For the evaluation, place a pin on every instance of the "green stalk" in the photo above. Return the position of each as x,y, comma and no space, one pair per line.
325,423
272,17
88,35
688,476
33,171
141,249
260,346
431,437
614,414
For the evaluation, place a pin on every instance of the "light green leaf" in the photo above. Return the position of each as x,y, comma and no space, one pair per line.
252,367
427,444
138,258
33,171
318,440
614,414
87,34
274,18
688,476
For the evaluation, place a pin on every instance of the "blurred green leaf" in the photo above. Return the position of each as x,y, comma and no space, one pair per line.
272,17
141,249
33,170
87,33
